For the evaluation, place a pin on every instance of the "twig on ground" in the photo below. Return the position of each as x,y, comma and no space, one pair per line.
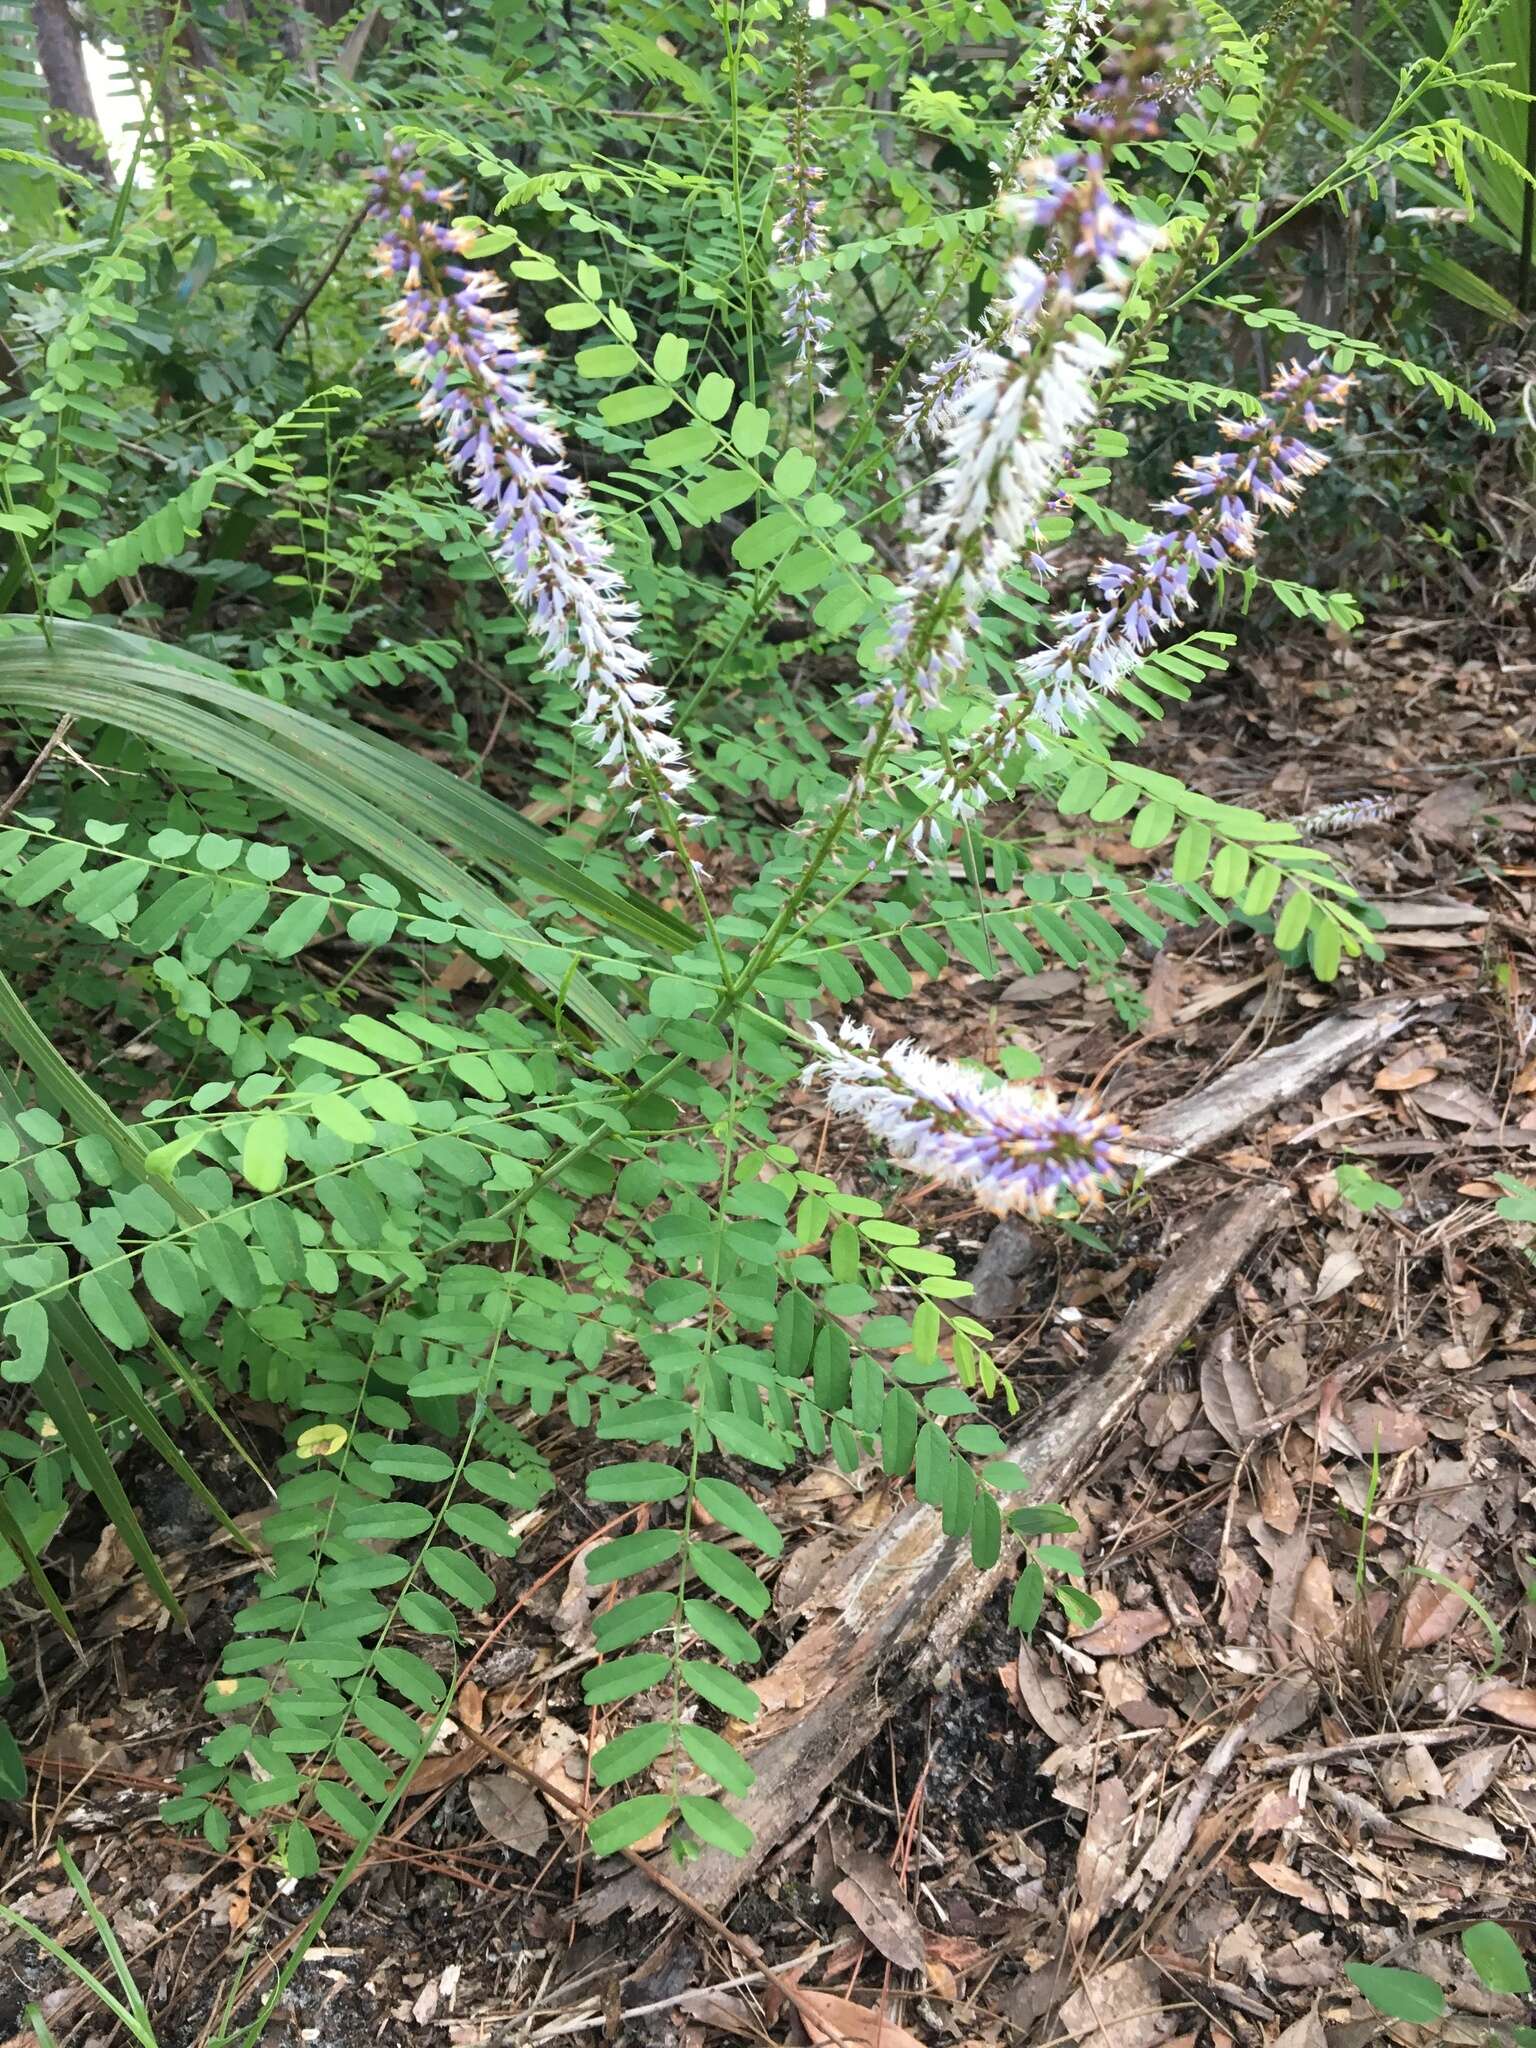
1386,1738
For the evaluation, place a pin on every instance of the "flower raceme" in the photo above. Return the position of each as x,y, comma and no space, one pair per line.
466,356
1214,522
1010,429
1013,414
799,236
1016,1147
1069,30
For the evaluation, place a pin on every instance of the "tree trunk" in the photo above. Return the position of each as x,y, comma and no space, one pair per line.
69,90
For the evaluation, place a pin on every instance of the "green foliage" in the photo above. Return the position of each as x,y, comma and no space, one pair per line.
1410,1995
364,1067
1360,1191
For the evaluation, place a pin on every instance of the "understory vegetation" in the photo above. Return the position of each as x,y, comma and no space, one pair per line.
547,551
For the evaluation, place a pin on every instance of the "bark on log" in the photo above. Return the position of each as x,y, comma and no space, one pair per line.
906,1593
911,1592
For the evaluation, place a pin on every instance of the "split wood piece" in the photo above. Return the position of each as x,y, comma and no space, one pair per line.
1276,1076
1234,1100
910,1592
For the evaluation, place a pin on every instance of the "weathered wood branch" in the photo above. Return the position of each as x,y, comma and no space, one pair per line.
906,1594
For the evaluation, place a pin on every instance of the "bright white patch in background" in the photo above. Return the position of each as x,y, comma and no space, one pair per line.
117,106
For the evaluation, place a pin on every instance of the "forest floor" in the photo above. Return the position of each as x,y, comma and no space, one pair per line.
1302,1733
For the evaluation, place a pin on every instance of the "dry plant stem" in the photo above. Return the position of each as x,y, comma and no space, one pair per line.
326,273
49,747
1386,1738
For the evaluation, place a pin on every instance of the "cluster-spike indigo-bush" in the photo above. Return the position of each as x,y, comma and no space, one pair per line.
1014,1145
1349,816
1014,426
1069,29
466,356
1213,523
800,238
1010,432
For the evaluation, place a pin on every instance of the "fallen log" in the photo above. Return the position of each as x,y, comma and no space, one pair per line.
906,1593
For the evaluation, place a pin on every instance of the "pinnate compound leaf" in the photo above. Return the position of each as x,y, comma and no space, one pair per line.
712,1824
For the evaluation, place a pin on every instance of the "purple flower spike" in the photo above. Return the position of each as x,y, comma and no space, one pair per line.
1215,522
799,236
1017,1148
466,357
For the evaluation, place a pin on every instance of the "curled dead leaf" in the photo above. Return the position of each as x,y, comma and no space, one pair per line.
877,1906
1515,1703
1398,1078
1281,1878
1124,1633
1314,1612
510,1811
1124,2006
1450,1829
839,2023
1103,1856
1431,1612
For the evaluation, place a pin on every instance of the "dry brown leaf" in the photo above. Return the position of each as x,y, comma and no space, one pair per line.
1041,988
1410,1778
1281,1878
833,2020
877,1906
573,1617
1449,813
1276,1810
1374,1426
1124,1633
1515,1703
1043,1697
1455,1103
555,1752
1396,1079
1341,1269
1467,1777
1449,1828
1315,1611
510,1811
1103,1856
807,1565
1121,2007
1307,2032
1229,1393
1430,1612
1278,1502
956,1952
462,969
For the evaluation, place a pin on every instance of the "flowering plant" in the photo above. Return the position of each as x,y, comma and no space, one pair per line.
407,1074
